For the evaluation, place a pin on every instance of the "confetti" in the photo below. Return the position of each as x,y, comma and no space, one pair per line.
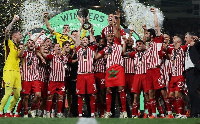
32,14
137,15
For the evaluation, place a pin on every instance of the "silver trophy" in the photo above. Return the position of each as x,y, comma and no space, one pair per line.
83,13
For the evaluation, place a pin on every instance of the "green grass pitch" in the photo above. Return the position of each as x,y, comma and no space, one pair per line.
99,120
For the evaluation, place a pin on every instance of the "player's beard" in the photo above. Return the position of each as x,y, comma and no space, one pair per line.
148,39
85,44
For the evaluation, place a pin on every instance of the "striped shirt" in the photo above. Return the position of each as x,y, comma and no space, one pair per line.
85,59
140,61
57,67
21,69
166,69
109,29
153,53
100,65
42,72
129,65
178,59
113,53
30,66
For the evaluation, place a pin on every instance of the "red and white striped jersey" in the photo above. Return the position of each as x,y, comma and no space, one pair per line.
113,53
167,65
21,69
153,53
109,29
57,67
42,72
166,69
178,59
86,59
100,65
140,61
30,66
129,65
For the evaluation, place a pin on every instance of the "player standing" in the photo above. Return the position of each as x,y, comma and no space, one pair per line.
177,83
155,79
57,78
30,83
11,72
115,76
85,78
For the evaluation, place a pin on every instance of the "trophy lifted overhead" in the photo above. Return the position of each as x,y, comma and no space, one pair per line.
83,13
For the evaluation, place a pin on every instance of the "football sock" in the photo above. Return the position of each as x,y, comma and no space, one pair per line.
92,103
80,104
108,101
123,100
59,105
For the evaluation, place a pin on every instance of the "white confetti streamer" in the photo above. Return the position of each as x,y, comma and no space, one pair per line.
137,15
32,14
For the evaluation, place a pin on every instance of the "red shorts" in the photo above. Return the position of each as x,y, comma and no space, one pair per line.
44,88
139,83
155,79
85,84
100,79
129,81
29,87
177,83
115,76
56,87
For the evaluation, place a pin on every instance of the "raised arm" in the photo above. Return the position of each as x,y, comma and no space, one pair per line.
78,40
9,27
117,31
20,54
157,28
29,35
97,55
40,34
124,47
130,33
145,31
47,22
91,31
79,31
72,37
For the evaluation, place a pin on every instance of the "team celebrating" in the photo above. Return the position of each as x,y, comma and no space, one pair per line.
46,77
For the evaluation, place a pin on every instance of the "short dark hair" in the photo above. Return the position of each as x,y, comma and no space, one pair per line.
64,43
152,32
140,41
74,31
46,39
29,39
55,44
98,38
21,43
88,37
167,33
65,25
14,31
181,38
